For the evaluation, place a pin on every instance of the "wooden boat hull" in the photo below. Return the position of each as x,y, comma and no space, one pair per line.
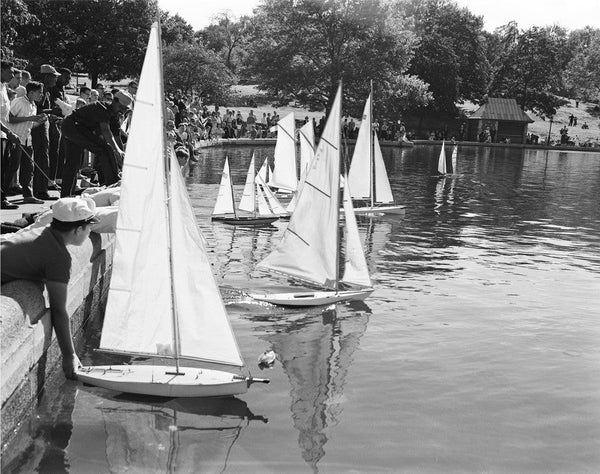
159,380
246,221
316,298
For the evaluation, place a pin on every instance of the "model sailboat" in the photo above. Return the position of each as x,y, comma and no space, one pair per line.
442,170
368,177
252,202
163,301
310,248
284,177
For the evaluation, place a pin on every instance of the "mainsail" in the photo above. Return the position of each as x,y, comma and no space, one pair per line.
356,271
366,161
442,159
158,302
248,201
224,203
308,249
284,175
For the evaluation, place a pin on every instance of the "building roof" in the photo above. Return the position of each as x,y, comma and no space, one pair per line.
505,110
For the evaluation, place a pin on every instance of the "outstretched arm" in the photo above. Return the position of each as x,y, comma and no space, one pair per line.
57,293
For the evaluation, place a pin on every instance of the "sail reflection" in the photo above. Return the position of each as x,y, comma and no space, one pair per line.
316,353
147,434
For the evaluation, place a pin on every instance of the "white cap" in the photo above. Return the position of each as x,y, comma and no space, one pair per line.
75,209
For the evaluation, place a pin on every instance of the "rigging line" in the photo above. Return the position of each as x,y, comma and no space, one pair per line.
286,132
312,146
329,143
317,189
297,235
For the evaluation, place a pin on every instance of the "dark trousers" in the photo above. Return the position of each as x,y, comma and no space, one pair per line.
5,159
55,159
40,139
19,160
78,138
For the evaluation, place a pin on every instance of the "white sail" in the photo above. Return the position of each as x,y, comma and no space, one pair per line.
442,159
307,153
263,172
309,247
263,206
225,204
248,201
273,203
454,158
361,172
307,147
284,175
356,271
383,190
142,307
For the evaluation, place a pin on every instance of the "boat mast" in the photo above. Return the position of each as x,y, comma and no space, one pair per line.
167,170
372,150
337,204
231,188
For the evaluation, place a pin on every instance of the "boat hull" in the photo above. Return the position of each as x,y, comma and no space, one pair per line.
159,380
316,298
246,221
392,209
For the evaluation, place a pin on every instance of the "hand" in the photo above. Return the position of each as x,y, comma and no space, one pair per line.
70,365
40,118
13,138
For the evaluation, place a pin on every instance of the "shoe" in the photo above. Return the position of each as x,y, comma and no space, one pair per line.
8,205
47,197
53,187
32,200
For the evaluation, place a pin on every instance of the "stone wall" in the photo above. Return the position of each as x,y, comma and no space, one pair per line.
29,350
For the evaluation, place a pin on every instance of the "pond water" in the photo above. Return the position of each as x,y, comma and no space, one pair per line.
478,351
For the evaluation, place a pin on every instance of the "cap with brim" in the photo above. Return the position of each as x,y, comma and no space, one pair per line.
125,98
48,69
75,210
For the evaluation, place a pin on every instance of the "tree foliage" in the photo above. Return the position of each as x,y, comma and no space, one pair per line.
190,68
582,73
531,68
301,50
15,15
450,55
227,37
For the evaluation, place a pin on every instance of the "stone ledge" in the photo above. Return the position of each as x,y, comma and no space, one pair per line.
29,350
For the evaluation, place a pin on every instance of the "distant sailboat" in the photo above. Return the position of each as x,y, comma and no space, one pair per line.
368,177
310,248
454,158
284,176
163,301
225,211
442,171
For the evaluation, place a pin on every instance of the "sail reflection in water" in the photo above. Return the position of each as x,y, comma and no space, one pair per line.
148,434
316,353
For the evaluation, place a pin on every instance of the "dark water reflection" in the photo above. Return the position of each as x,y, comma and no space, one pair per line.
478,351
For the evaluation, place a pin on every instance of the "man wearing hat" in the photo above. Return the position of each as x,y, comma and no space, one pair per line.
88,128
40,135
41,255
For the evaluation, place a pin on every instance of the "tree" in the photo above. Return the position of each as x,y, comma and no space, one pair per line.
301,50
15,15
582,73
175,29
226,37
105,37
194,70
450,55
531,70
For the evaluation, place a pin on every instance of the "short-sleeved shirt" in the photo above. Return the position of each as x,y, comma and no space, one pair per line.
91,116
4,105
37,254
22,107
